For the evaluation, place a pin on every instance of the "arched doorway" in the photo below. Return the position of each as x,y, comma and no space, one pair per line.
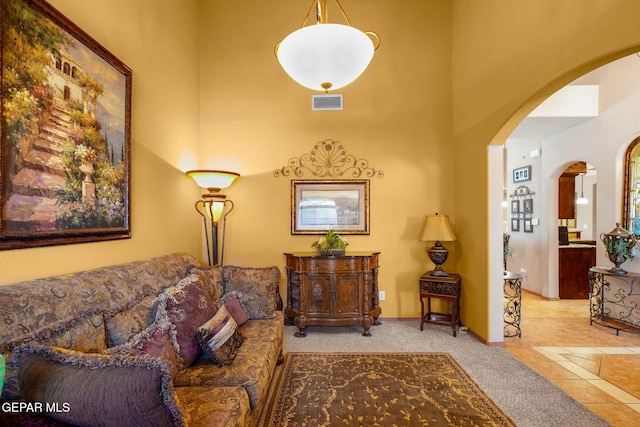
603,145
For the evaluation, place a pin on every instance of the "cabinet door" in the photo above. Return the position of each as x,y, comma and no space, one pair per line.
566,197
573,272
348,291
318,290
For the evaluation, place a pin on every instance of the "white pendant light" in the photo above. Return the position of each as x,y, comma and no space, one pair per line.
326,56
582,200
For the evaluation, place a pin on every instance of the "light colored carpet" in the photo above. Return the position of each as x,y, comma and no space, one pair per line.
524,395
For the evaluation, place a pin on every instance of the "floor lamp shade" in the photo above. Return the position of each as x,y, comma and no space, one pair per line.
437,229
212,179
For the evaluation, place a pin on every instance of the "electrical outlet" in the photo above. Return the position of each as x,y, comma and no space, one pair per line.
523,272
381,296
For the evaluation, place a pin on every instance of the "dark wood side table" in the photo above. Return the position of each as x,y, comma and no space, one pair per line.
444,287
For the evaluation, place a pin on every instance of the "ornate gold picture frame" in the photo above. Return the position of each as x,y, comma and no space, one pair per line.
66,132
321,205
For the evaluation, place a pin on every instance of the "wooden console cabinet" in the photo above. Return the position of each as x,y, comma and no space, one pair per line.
574,262
332,291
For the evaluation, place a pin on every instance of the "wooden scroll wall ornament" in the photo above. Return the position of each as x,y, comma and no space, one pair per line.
328,159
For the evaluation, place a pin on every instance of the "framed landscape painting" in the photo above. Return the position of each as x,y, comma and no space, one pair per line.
66,130
321,205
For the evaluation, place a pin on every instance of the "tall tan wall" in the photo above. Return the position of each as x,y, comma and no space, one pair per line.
397,116
158,41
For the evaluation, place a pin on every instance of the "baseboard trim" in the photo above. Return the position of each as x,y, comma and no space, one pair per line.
485,342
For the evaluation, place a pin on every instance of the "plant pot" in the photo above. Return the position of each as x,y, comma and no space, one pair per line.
331,252
618,244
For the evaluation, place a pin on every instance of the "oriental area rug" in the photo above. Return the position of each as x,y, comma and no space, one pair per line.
379,389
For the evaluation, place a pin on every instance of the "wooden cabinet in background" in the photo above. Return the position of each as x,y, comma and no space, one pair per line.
566,197
332,291
567,190
573,273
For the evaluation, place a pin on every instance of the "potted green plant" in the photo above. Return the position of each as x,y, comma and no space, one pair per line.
620,246
507,252
331,244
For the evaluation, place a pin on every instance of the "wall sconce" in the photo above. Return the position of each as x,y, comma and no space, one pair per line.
326,56
438,229
212,207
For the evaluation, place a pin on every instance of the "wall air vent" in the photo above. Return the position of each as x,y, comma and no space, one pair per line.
326,102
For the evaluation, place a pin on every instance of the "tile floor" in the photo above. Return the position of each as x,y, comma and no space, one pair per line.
591,363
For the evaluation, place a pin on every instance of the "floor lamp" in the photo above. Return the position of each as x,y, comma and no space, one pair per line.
212,207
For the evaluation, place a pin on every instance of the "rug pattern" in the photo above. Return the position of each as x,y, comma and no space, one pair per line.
380,389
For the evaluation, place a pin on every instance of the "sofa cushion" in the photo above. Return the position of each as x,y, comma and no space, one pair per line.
214,406
235,308
92,389
186,306
252,368
153,341
257,289
86,334
125,324
219,337
211,278
31,305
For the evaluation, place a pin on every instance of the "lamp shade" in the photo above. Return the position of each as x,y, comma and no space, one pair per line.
217,208
437,229
213,179
325,56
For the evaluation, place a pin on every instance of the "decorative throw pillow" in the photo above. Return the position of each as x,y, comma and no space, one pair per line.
257,289
186,306
220,337
94,389
211,278
153,341
124,325
235,308
86,334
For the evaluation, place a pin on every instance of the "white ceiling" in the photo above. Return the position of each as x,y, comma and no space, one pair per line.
541,127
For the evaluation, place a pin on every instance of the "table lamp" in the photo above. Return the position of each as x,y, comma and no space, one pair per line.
437,229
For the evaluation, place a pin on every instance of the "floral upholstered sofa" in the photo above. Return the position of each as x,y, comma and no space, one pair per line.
155,342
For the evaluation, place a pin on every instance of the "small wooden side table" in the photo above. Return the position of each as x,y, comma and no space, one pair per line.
444,287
